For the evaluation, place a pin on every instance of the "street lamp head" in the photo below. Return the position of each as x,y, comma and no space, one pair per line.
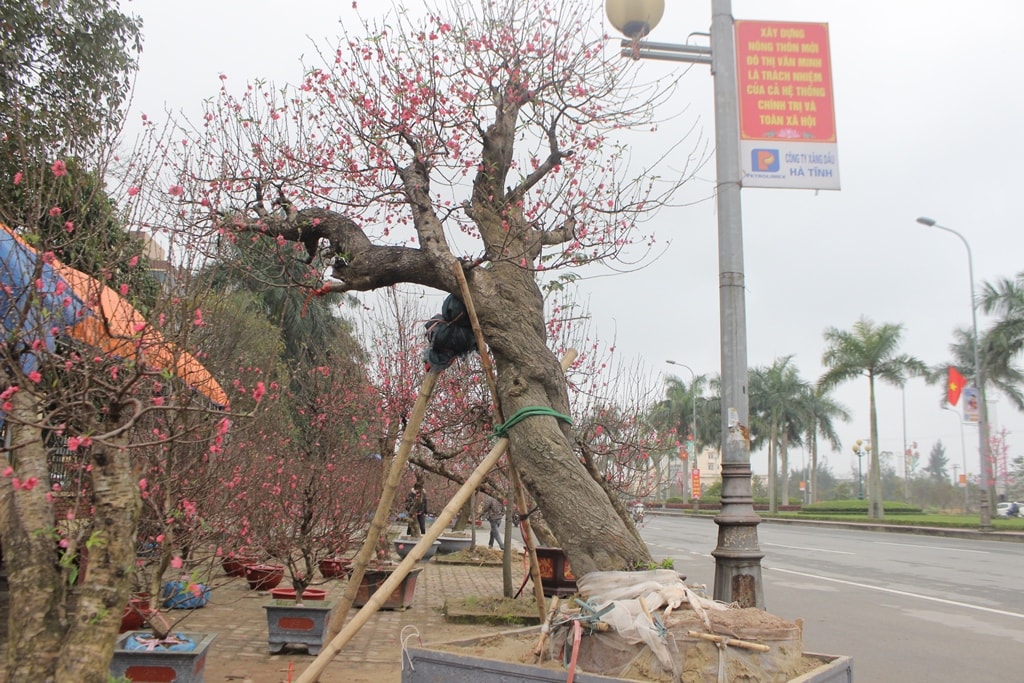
924,220
634,18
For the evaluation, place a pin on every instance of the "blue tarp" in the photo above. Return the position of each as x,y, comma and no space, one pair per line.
26,321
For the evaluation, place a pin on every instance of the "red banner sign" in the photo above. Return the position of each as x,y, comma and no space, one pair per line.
785,81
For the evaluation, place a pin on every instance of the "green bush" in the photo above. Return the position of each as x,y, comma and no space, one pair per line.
857,507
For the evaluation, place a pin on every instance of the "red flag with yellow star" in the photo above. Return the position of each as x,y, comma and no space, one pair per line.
955,385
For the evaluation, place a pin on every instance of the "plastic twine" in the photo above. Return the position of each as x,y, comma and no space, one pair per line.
501,430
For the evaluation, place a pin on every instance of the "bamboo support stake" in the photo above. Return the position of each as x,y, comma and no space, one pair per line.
446,515
380,518
517,483
545,629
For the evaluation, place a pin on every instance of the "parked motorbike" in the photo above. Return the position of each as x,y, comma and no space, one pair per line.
638,513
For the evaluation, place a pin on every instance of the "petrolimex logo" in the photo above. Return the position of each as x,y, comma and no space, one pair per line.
765,160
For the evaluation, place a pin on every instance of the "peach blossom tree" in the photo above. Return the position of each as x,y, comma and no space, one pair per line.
479,139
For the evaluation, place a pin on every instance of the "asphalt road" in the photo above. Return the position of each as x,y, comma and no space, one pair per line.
906,607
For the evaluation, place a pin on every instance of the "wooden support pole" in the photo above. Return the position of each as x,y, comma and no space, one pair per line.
339,641
517,483
368,550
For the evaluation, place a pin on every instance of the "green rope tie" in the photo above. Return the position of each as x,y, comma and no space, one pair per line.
501,430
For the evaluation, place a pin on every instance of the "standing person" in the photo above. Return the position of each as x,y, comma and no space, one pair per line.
416,507
493,512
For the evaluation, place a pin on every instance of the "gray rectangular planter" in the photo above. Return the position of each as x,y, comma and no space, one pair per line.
291,624
159,664
426,665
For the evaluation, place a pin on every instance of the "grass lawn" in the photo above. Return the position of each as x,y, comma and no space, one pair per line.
913,519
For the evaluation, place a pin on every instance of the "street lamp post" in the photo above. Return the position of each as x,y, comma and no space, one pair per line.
984,506
693,422
963,456
860,449
737,555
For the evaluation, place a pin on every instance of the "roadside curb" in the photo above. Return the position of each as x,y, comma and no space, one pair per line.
976,534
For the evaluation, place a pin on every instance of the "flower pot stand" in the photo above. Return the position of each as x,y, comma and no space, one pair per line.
292,624
400,598
159,663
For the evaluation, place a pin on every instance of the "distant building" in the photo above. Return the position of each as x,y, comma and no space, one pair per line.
156,255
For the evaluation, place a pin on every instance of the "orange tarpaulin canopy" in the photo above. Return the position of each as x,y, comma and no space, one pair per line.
111,324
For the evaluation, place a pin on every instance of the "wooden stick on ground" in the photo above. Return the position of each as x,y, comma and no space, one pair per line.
731,642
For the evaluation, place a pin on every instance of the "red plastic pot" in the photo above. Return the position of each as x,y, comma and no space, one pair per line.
289,594
263,577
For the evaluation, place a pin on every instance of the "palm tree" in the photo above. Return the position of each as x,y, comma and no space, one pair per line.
1003,342
822,411
869,350
777,407
999,369
679,409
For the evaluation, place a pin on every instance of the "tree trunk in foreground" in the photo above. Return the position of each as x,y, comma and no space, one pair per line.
60,629
575,507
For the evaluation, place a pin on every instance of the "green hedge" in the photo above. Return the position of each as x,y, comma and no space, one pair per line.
857,507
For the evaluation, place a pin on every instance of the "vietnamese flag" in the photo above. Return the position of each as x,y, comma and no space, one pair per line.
955,386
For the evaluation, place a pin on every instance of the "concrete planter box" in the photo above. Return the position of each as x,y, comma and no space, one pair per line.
160,664
427,665
400,598
292,624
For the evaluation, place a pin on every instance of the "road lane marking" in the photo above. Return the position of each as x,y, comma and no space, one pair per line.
932,547
800,547
893,591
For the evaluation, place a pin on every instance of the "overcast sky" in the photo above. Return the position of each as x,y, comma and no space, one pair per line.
929,110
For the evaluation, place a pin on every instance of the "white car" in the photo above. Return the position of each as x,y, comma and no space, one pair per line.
1003,509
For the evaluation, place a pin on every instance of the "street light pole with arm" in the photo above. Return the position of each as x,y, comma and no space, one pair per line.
963,456
737,555
693,423
985,509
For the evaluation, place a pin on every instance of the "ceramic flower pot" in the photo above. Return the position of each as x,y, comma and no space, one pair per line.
135,612
292,624
234,565
403,546
453,544
263,577
399,599
335,567
140,657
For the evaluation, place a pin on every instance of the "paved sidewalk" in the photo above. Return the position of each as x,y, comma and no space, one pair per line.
240,654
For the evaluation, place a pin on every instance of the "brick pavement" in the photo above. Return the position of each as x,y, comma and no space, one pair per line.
240,654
